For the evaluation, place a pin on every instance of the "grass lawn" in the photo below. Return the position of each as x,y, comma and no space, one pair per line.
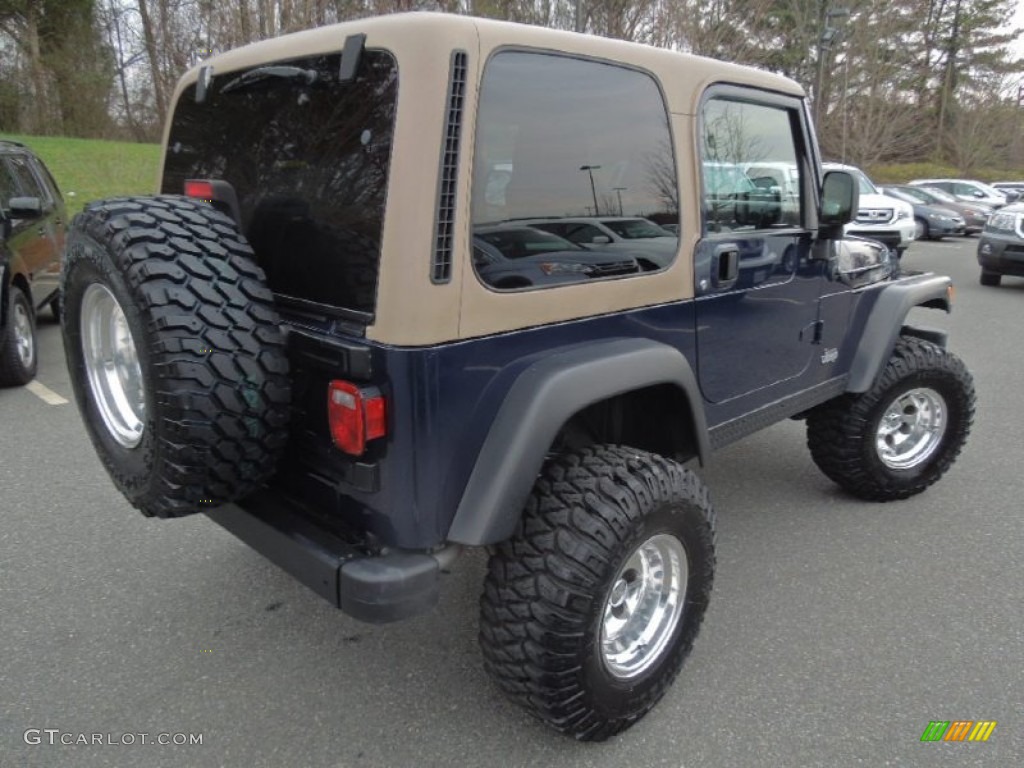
87,169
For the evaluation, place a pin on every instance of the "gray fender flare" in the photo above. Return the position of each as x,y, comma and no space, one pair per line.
539,402
885,324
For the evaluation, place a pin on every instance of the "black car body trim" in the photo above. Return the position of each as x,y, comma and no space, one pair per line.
799,402
374,589
542,399
885,323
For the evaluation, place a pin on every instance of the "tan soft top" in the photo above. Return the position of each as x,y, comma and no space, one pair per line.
411,311
443,30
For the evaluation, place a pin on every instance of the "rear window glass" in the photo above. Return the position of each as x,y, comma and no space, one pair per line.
307,156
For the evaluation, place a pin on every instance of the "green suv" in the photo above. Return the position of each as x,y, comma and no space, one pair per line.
32,220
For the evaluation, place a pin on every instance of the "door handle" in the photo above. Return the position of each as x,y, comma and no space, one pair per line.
726,265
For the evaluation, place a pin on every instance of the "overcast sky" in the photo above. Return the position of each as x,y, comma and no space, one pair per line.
1018,23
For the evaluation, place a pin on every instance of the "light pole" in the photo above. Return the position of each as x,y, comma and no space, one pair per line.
593,190
829,35
618,191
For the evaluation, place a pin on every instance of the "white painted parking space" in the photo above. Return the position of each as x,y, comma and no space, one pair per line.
45,394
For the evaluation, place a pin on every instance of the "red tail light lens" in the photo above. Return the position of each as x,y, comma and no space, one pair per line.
354,417
199,189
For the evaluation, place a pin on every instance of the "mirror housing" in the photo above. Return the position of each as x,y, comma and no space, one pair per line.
600,240
25,207
840,197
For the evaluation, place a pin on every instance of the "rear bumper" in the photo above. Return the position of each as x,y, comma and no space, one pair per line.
375,589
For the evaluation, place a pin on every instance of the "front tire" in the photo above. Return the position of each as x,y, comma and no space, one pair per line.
589,611
899,437
991,279
19,350
176,354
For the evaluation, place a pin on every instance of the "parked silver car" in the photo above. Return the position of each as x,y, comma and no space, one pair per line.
970,190
640,237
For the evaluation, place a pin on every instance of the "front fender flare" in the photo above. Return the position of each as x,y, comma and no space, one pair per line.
886,321
542,398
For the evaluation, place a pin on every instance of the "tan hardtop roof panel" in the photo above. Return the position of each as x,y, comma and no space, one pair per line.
432,29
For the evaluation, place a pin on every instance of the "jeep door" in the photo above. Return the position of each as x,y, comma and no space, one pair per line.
757,288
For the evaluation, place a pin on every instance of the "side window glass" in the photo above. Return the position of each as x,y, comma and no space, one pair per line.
563,144
49,186
27,184
7,187
751,178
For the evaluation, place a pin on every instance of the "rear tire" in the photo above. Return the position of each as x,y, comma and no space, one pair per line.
19,348
899,437
176,354
590,609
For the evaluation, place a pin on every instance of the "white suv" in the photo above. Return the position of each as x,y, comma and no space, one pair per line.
879,217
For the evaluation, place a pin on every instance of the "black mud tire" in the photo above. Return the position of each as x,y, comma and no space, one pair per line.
211,352
15,370
55,307
547,587
841,434
991,279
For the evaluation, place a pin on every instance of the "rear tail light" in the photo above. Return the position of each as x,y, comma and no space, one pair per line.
199,189
355,416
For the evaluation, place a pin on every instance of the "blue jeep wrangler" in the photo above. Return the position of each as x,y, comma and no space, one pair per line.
295,338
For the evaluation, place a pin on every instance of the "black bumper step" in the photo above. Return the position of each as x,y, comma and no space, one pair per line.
375,589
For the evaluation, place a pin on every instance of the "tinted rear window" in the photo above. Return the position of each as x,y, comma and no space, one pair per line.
308,163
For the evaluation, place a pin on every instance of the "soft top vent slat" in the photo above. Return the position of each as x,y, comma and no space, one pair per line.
441,271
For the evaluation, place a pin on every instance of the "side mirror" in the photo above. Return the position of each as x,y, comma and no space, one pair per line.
600,240
840,197
26,207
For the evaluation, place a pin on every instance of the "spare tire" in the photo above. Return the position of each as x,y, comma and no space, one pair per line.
176,353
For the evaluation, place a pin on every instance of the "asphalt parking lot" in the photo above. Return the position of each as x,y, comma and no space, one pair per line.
838,628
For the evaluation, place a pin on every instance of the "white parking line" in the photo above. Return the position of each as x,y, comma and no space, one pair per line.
45,394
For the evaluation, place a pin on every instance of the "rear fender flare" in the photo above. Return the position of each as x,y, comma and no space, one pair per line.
540,401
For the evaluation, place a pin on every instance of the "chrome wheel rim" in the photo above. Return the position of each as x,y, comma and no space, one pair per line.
911,428
24,342
112,366
644,606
